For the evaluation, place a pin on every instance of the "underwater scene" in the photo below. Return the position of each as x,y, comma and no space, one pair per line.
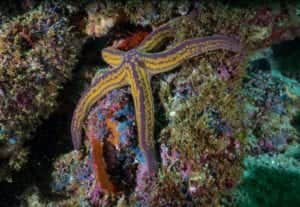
149,103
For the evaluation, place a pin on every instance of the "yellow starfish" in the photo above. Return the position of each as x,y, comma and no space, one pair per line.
135,68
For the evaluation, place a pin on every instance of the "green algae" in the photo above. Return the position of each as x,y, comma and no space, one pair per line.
271,178
269,181
293,86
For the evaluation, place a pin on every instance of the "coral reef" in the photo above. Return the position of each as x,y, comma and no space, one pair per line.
208,107
226,125
203,143
37,53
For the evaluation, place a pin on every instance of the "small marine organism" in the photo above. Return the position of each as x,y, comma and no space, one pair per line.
132,41
135,68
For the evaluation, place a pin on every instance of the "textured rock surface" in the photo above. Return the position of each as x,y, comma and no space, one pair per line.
37,54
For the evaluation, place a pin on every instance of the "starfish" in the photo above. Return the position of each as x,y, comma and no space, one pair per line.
135,68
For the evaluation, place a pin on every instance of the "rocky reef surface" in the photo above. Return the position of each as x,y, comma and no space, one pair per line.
226,125
38,51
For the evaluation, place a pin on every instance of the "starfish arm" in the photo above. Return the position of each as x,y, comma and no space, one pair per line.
99,166
169,59
156,38
113,79
144,112
112,56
